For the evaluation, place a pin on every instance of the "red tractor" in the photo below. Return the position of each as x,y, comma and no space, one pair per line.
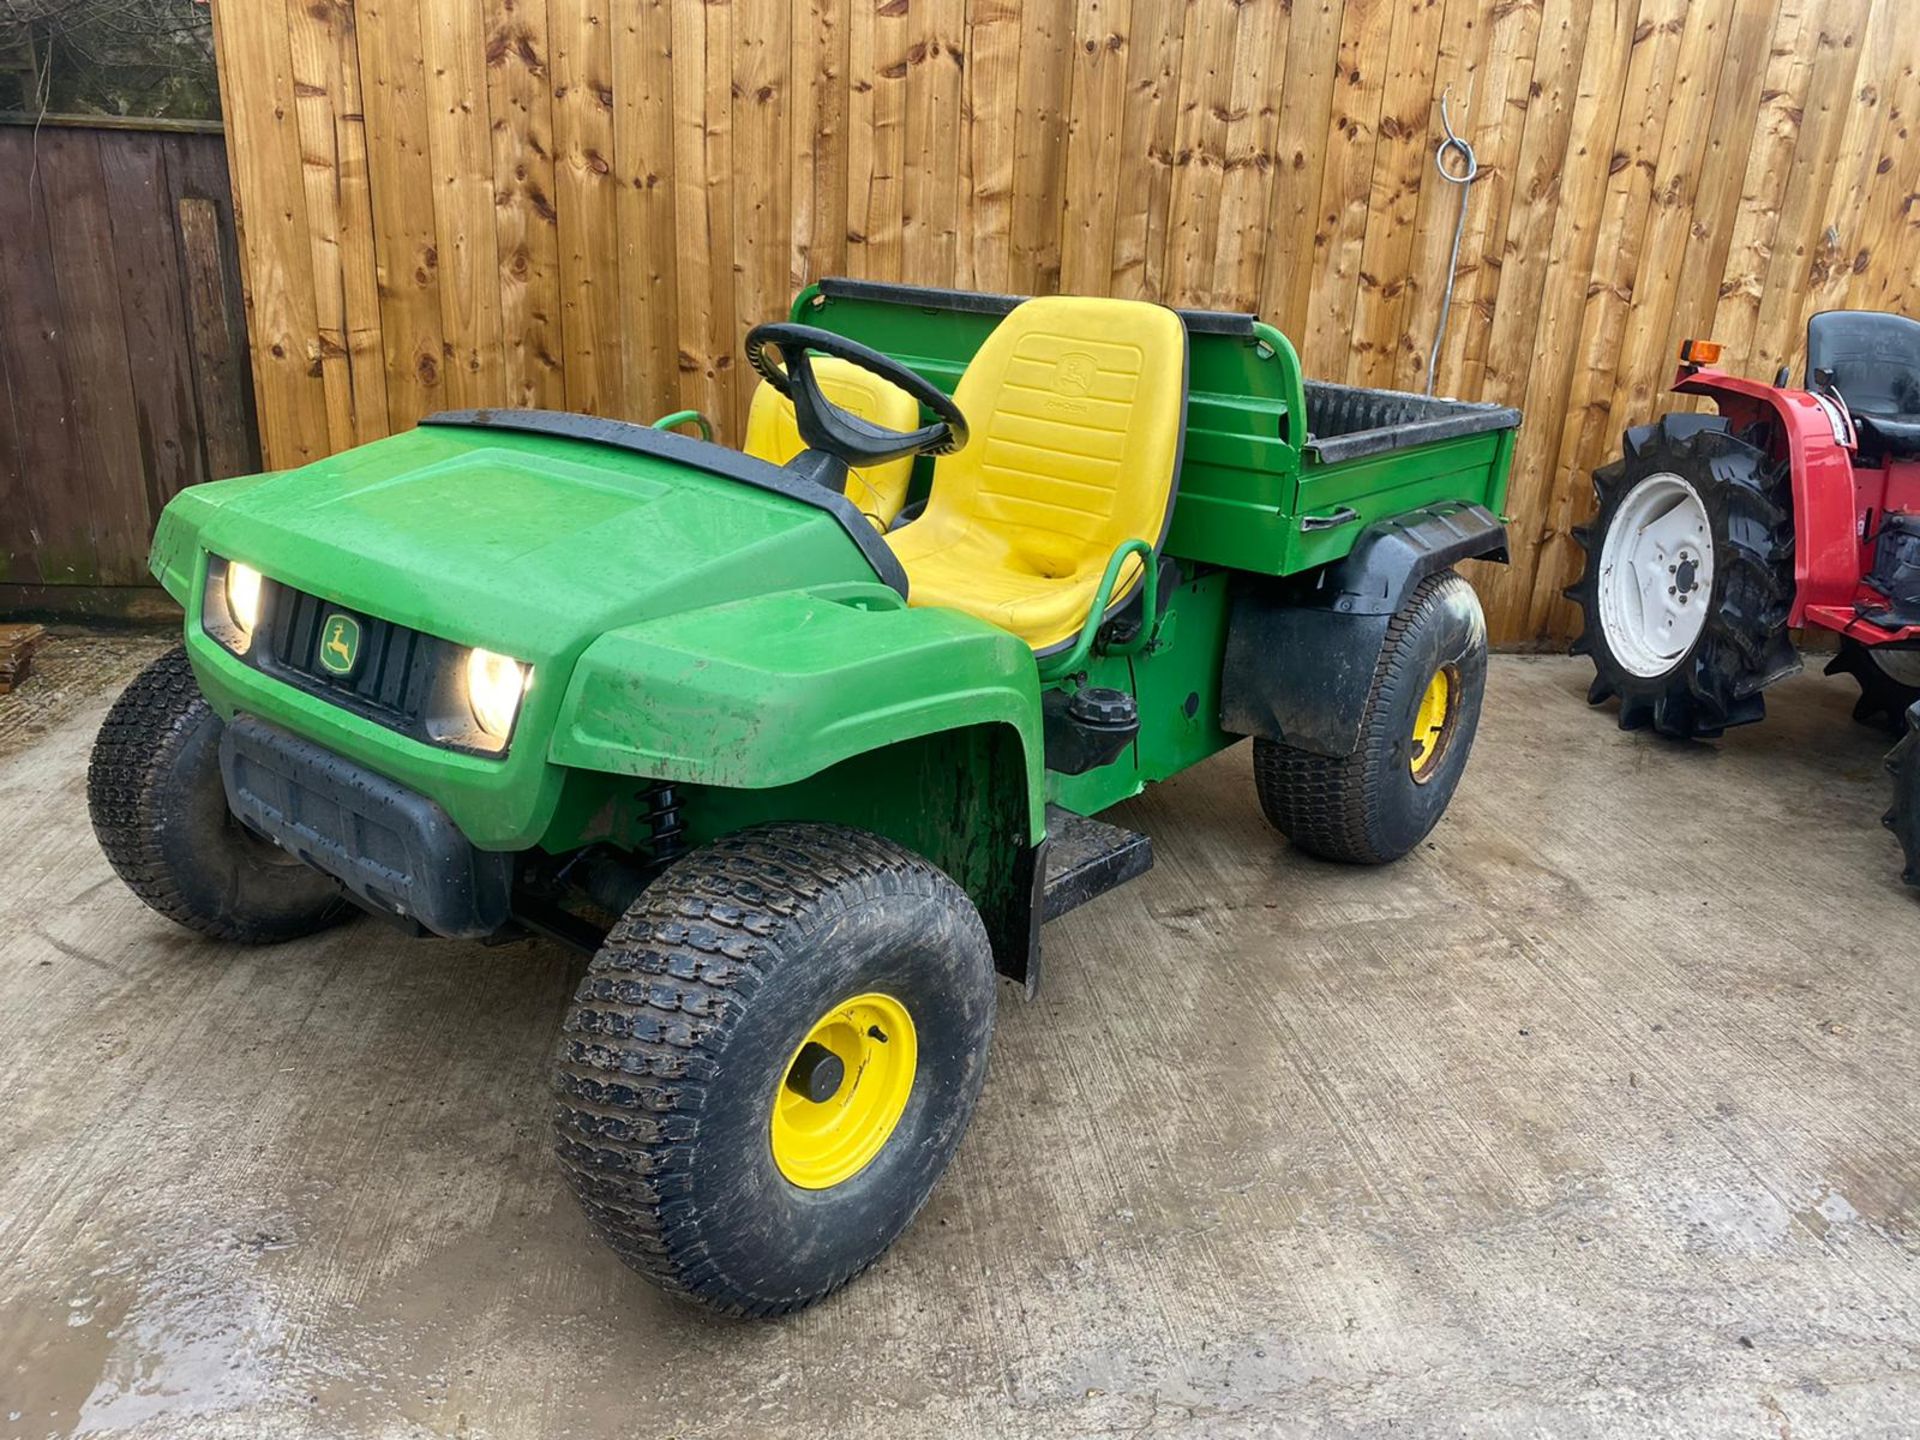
1717,534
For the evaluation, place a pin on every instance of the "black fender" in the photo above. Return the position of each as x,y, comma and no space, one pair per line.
1301,652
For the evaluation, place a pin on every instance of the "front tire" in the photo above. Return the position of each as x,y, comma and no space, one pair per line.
159,810
1689,578
771,1061
1423,708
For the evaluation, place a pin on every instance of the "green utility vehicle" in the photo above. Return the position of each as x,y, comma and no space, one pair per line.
802,743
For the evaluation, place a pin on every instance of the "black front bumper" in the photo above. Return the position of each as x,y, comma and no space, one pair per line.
396,851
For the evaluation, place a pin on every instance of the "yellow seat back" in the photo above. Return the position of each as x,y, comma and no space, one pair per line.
1078,410
877,491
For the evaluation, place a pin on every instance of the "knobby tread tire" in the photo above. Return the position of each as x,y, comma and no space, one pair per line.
1336,807
157,746
643,1048
1744,645
1903,818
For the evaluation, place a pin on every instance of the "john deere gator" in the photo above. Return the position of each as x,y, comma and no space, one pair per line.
803,742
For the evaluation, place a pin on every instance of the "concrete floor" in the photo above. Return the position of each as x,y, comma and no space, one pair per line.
1597,1115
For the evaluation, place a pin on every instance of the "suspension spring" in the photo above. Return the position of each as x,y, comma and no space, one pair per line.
666,828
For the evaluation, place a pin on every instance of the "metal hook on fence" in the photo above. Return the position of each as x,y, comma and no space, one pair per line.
1469,166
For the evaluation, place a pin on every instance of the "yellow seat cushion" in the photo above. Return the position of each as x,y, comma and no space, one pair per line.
1078,408
877,491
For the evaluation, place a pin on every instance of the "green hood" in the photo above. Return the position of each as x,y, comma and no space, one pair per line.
528,544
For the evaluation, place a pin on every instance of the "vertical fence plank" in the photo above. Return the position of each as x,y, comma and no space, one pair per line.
1770,163
1143,178
1366,27
876,138
152,313
1400,163
930,203
585,211
1720,167
314,43
1096,114
45,517
526,229
643,167
1642,350
1885,276
1260,46
1805,213
992,89
761,55
1497,84
819,140
1199,154
460,151
109,483
211,264
1300,160
270,208
703,158
218,342
406,238
1039,144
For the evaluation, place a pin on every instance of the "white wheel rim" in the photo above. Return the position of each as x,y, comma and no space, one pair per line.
1656,575
1900,666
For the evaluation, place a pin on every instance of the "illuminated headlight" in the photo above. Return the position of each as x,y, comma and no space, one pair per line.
233,603
243,595
494,687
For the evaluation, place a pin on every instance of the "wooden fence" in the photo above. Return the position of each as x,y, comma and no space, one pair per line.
586,203
123,352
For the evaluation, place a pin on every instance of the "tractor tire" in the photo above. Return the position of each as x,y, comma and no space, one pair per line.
1903,761
1714,513
1423,708
159,811
1889,682
771,1061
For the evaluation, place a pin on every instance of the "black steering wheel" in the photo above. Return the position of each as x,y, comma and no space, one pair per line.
827,427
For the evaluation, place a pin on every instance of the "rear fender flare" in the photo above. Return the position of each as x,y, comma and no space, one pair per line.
1301,655
1827,558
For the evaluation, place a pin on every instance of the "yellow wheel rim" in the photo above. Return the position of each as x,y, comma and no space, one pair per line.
1432,724
843,1090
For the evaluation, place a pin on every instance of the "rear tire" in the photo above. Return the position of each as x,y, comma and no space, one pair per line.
1376,804
159,810
1903,762
680,1063
1687,640
1885,676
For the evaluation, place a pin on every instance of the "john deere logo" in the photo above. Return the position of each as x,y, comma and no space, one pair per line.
340,644
1073,373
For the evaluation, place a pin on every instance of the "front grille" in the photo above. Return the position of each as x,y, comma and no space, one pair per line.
394,679
400,678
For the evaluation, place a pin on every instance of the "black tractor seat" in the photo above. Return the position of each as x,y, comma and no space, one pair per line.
1873,360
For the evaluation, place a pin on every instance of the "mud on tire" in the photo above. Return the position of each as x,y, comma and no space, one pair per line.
674,1050
1743,645
160,812
1368,808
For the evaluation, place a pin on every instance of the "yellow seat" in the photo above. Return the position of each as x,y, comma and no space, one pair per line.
1078,409
878,491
